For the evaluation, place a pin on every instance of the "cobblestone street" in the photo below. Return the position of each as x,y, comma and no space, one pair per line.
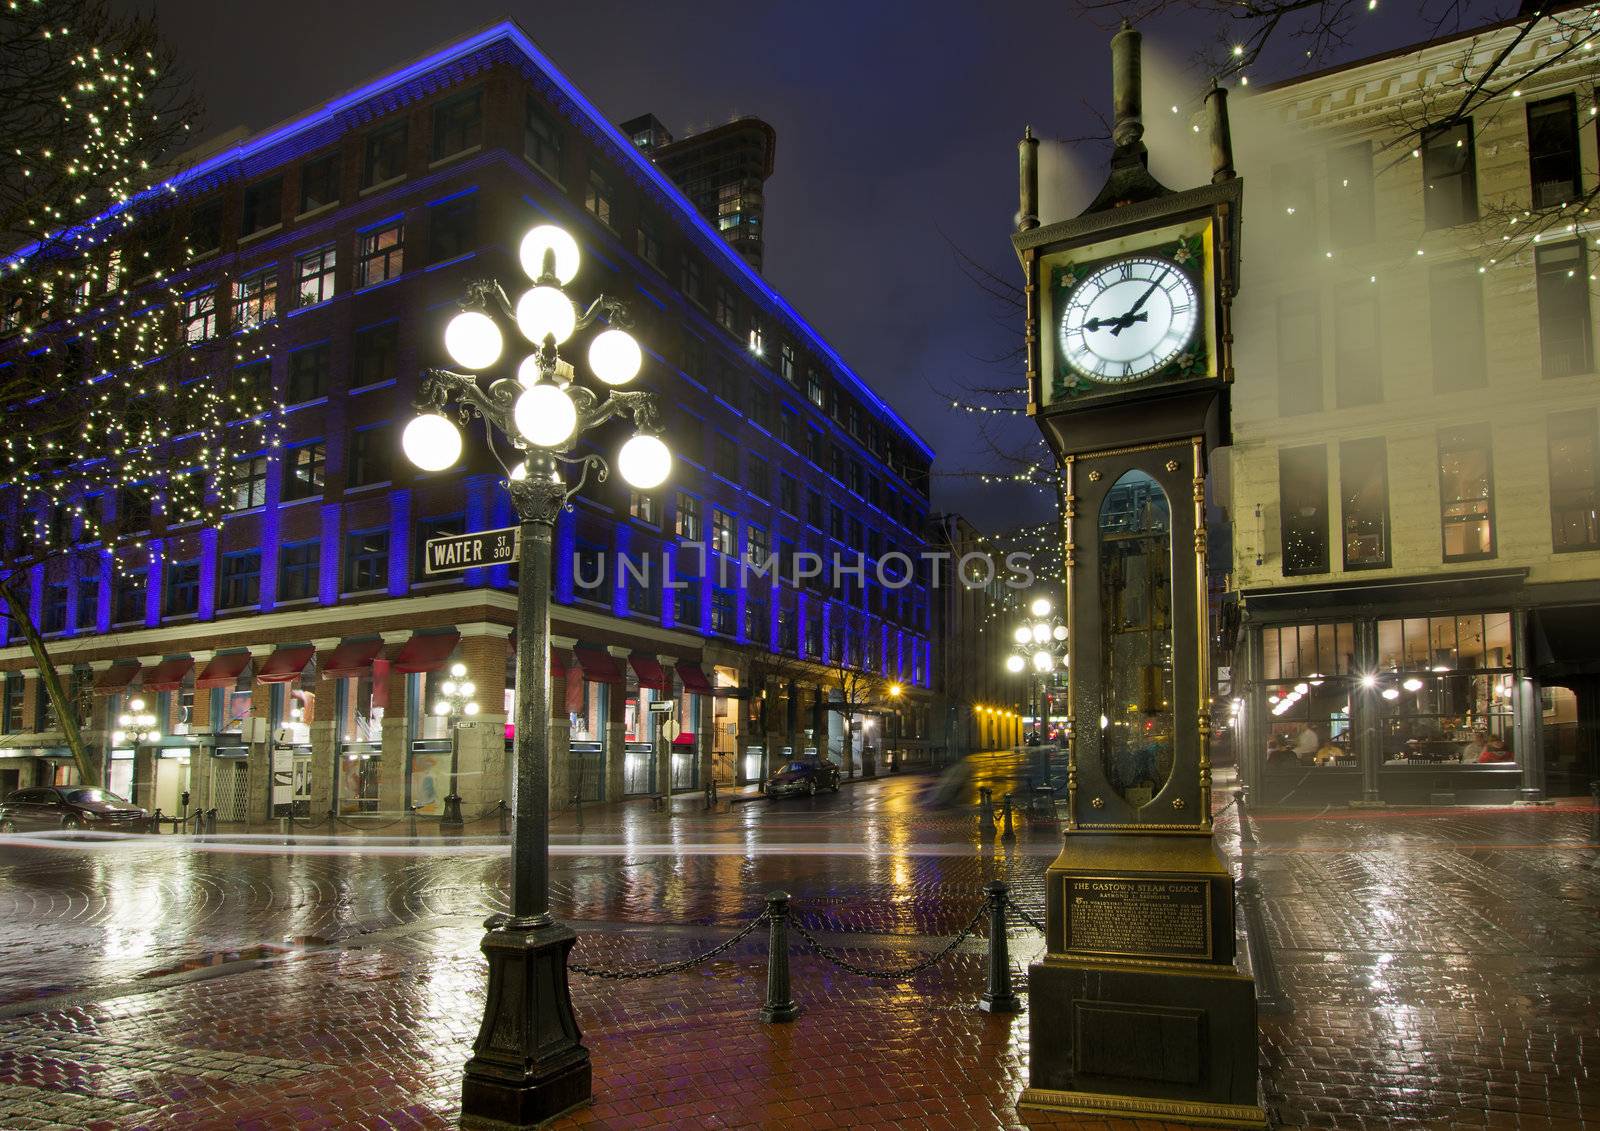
1439,969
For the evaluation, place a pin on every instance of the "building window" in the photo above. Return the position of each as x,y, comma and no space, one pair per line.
836,521
457,124
788,492
304,470
643,597
385,155
589,580
758,478
1442,674
381,254
263,206
814,508
255,299
1299,355
1574,481
308,373
788,423
298,568
375,353
686,518
786,362
133,508
598,197
1553,151
241,579
452,228
129,596
319,182
725,457
757,549
1565,334
1466,494
541,140
816,393
686,603
724,531
442,527
183,587
857,479
1358,374
314,279
205,229
252,386
1303,509
16,696
186,497
369,456
200,316
725,311
760,407
1364,494
649,244
757,621
786,629
88,604
1449,179
693,279
730,207
1350,202
758,340
247,483
724,620
642,507
53,610
366,560
1455,299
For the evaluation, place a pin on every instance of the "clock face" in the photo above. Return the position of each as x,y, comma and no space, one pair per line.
1128,318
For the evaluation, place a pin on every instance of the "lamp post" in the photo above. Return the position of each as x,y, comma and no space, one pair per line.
528,1062
1041,644
455,702
137,727
892,755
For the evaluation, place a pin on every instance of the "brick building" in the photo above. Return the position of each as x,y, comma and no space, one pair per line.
303,623
1417,424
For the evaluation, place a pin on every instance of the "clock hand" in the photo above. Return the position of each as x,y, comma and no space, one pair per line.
1128,320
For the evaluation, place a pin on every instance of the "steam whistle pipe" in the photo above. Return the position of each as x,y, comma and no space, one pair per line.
1028,180
1126,80
1221,136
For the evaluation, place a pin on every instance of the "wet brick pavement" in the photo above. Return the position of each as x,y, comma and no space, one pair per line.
1441,969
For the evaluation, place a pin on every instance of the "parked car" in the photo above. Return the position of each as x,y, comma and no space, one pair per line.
809,778
69,807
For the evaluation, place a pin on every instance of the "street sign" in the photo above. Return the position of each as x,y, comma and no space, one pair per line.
282,777
662,706
671,729
456,552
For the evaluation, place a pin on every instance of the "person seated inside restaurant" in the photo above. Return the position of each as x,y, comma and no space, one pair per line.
1306,743
1496,751
1328,755
1478,744
1280,752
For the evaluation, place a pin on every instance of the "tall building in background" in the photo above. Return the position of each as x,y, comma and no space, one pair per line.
1416,473
723,171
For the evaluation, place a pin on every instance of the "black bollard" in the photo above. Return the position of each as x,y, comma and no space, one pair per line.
1594,797
1006,815
211,822
780,1007
998,998
1246,836
505,819
414,809
155,822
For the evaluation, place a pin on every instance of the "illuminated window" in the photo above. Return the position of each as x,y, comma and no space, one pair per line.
255,299
380,254
200,316
724,531
1303,509
598,197
247,483
314,278
686,520
1466,493
304,470
1364,491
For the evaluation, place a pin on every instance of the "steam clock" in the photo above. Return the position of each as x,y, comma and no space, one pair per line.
1137,1008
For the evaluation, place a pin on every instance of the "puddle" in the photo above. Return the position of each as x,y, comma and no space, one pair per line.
292,944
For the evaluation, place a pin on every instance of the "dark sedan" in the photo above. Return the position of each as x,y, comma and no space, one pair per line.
809,778
69,807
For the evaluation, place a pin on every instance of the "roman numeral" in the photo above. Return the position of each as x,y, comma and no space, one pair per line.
1124,271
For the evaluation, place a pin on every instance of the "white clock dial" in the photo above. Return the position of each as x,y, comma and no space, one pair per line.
1128,319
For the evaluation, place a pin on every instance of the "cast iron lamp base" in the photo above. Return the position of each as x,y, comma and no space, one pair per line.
451,820
528,1063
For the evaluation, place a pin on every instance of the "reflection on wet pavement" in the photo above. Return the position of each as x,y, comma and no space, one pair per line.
1441,967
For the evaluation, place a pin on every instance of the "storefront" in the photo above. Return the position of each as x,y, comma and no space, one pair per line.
1350,695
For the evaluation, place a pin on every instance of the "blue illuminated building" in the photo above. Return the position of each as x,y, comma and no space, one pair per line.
303,629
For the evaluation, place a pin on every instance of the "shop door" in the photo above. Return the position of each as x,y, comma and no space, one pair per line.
638,771
684,771
230,779
172,782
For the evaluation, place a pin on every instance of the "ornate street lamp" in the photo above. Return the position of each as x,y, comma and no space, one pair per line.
1041,645
455,705
138,727
528,1063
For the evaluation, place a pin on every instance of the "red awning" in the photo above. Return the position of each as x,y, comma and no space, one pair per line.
599,666
649,671
168,674
116,678
426,652
694,679
223,671
351,659
286,664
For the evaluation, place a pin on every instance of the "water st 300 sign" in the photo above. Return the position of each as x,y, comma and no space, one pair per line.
472,551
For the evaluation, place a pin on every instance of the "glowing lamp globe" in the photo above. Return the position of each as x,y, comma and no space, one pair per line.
448,687
528,372
1014,663
468,688
1022,635
519,472
545,312
537,245
1041,634
441,709
471,708
615,357
1040,607
644,462
1043,661
473,340
545,416
431,442
459,670
1059,632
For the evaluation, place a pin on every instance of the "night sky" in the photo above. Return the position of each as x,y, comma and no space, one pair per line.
897,126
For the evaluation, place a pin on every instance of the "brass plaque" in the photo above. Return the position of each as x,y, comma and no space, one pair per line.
1136,916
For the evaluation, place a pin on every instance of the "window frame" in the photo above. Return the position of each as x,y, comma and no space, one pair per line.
375,561
1468,438
446,124
318,266
1435,214
1582,425
315,453
229,581
1318,563
1363,456
1573,184
381,146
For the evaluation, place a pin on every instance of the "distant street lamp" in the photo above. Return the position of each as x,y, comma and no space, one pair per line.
1041,644
138,728
455,704
528,1063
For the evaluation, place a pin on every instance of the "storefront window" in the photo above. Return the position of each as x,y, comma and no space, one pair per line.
1445,689
1291,652
236,706
295,706
1308,723
360,716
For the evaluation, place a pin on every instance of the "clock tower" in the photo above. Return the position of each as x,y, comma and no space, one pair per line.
1137,1008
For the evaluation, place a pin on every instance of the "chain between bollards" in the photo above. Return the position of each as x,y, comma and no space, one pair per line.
780,1006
